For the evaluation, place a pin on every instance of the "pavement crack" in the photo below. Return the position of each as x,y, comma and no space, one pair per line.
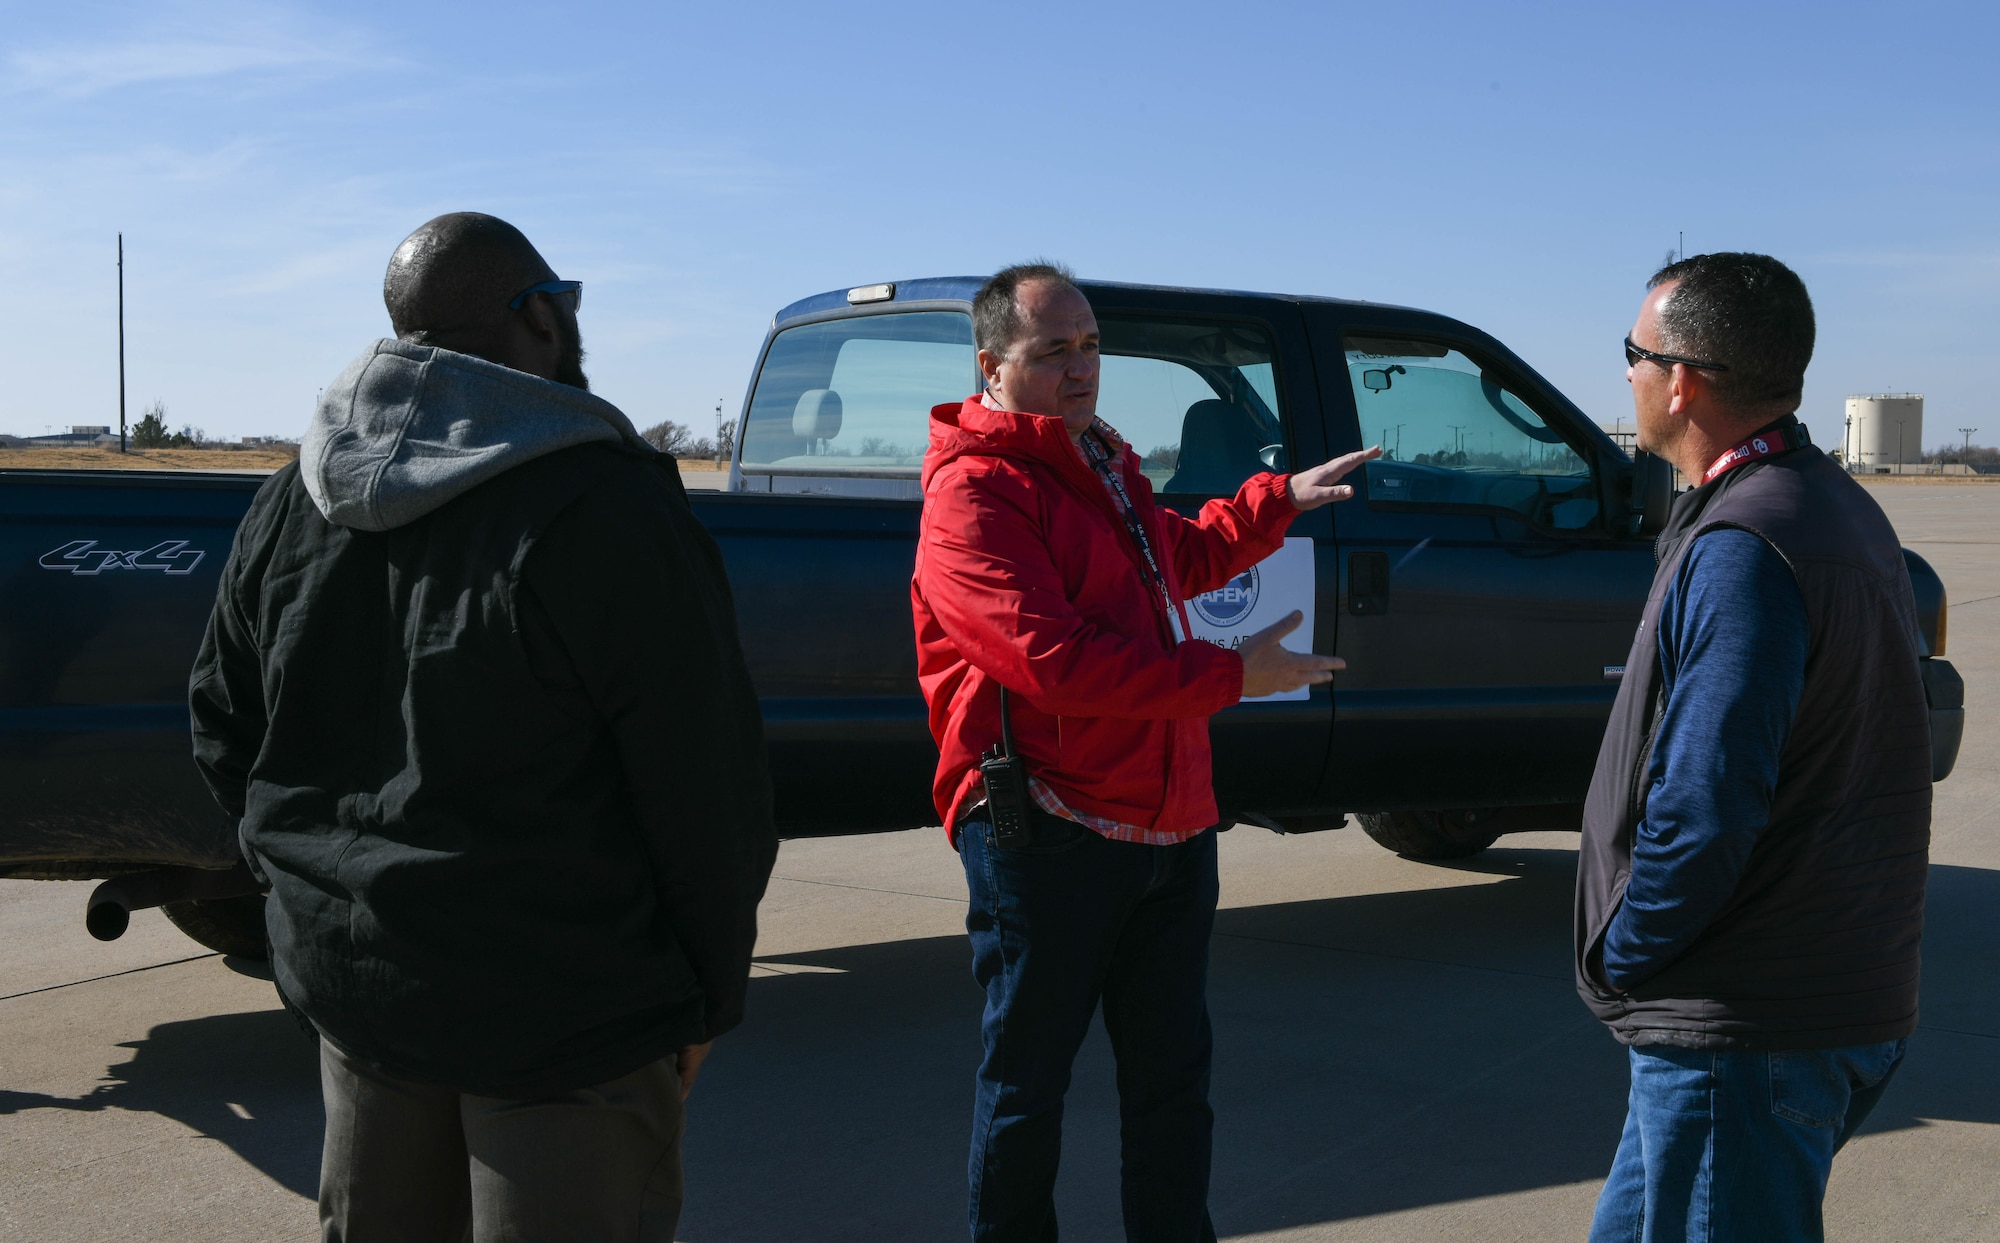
50,988
1370,1140
1957,1031
834,884
1429,962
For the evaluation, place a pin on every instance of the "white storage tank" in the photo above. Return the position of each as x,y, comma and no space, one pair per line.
1885,429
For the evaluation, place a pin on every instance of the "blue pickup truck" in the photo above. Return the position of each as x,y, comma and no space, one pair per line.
1483,587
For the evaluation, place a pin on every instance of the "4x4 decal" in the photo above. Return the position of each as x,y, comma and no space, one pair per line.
83,556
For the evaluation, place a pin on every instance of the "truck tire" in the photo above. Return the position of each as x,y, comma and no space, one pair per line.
232,926
1457,834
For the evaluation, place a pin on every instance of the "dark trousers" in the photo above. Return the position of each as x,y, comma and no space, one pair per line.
409,1162
1071,919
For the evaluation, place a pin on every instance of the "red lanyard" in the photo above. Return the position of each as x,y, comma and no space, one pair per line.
1100,458
1751,450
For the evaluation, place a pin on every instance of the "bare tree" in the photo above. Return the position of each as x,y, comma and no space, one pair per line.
669,437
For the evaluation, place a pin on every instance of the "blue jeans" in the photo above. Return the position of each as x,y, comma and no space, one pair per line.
1058,925
1724,1145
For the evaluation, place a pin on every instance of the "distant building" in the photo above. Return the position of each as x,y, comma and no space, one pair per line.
1884,432
79,436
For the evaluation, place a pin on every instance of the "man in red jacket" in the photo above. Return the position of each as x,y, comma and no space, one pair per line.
1044,568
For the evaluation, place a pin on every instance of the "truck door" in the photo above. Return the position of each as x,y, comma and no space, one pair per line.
1211,389
1489,583
820,545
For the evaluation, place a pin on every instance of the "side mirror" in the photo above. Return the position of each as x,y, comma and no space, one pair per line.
1652,492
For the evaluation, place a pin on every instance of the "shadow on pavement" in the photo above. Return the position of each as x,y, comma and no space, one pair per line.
1374,1053
200,1072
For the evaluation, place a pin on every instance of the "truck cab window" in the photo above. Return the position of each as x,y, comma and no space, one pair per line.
1197,401
853,397
1453,435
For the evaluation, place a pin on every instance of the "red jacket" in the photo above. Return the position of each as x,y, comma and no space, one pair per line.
1026,573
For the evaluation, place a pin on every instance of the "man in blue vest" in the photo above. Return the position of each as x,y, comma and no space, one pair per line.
1750,887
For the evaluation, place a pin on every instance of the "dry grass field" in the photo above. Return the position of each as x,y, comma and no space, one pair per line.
253,461
248,461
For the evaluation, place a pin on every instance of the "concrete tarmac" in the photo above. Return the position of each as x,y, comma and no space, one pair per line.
1400,1054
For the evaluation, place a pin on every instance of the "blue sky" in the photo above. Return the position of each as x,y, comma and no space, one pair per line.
1524,167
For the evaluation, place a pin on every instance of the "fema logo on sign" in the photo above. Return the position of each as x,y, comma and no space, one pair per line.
1231,603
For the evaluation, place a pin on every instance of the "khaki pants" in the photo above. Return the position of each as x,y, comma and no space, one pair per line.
408,1162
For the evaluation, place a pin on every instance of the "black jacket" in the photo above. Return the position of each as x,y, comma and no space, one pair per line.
502,767
1818,945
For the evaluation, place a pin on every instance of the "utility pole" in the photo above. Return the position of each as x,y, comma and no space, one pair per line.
121,343
1683,247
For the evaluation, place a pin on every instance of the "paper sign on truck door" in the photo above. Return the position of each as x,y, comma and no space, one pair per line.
1257,598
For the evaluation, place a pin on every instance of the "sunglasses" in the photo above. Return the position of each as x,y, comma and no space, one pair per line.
1633,353
572,288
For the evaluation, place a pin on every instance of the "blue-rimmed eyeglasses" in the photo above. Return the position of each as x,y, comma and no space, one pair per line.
573,288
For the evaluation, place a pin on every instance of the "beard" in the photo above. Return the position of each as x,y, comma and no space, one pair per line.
569,368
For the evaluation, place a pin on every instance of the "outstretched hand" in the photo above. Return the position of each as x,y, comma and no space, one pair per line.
1315,487
1269,669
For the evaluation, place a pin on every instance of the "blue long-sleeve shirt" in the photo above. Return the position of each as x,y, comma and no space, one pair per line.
1732,639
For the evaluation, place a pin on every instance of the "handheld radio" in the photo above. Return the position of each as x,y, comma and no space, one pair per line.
1006,779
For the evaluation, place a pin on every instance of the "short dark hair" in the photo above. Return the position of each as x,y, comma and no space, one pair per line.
996,312
1747,312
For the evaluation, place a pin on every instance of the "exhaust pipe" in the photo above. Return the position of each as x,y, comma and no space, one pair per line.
112,903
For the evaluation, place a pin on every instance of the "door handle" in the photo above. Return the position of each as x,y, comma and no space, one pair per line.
1367,583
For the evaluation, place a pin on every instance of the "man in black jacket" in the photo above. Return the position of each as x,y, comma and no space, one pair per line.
1750,886
472,685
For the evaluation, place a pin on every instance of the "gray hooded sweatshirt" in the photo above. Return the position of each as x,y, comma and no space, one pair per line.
407,428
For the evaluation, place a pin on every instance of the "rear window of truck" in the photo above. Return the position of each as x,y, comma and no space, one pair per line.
854,396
